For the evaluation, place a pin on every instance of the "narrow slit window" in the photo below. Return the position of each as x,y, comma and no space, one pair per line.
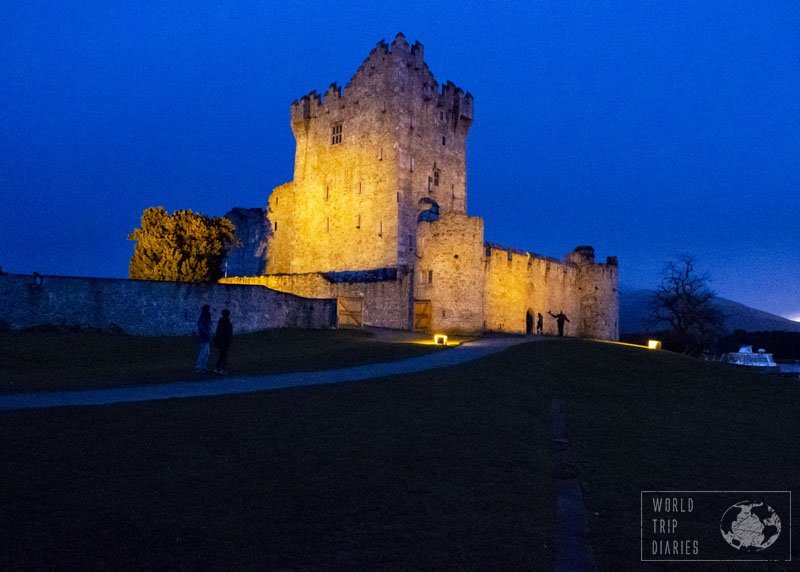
275,225
358,221
430,184
436,177
336,133
444,140
430,276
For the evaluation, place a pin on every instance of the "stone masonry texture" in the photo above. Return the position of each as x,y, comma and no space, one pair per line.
151,308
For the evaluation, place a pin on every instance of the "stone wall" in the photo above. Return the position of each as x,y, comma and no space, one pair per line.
385,303
517,282
449,272
152,308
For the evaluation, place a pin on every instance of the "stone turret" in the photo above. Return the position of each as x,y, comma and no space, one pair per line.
598,294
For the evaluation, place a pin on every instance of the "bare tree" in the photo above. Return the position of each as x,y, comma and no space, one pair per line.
685,301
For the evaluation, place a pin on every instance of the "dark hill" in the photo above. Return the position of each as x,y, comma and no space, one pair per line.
633,309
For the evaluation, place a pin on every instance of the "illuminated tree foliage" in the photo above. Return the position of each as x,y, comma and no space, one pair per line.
685,301
184,246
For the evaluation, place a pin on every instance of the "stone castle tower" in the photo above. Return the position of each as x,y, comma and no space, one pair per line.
376,216
365,158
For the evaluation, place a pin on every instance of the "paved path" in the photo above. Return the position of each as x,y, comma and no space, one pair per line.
571,537
234,385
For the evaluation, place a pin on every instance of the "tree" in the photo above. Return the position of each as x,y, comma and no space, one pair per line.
184,246
685,301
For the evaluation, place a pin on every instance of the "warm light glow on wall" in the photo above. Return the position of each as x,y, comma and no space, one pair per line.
440,340
654,344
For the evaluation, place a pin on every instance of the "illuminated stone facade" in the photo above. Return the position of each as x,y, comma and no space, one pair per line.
378,210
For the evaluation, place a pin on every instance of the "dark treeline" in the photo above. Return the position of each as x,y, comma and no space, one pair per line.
785,346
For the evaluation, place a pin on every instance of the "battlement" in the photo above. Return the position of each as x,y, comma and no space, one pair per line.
386,65
511,251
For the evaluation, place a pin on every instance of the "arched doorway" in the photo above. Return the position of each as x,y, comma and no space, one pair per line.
529,323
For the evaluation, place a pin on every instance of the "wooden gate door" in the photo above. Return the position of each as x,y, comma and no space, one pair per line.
350,312
422,315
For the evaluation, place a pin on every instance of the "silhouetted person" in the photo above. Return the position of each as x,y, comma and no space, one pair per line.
204,336
539,323
560,319
222,339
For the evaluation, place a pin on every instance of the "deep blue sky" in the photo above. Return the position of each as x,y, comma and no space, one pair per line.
643,128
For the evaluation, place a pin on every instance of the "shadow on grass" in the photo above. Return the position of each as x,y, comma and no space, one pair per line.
36,361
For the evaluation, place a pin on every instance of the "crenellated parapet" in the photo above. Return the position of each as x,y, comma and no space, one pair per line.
386,66
458,103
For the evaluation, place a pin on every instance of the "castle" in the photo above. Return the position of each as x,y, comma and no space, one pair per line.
376,217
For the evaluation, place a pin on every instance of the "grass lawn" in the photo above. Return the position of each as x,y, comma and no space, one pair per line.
33,361
445,470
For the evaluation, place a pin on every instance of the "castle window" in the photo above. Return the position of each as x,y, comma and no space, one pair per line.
380,228
430,276
441,116
430,184
444,140
336,133
275,225
435,177
327,192
358,221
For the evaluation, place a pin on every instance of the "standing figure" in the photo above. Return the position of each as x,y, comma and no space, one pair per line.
539,323
204,336
561,317
222,339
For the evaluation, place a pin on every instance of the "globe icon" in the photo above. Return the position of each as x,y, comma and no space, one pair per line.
750,526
